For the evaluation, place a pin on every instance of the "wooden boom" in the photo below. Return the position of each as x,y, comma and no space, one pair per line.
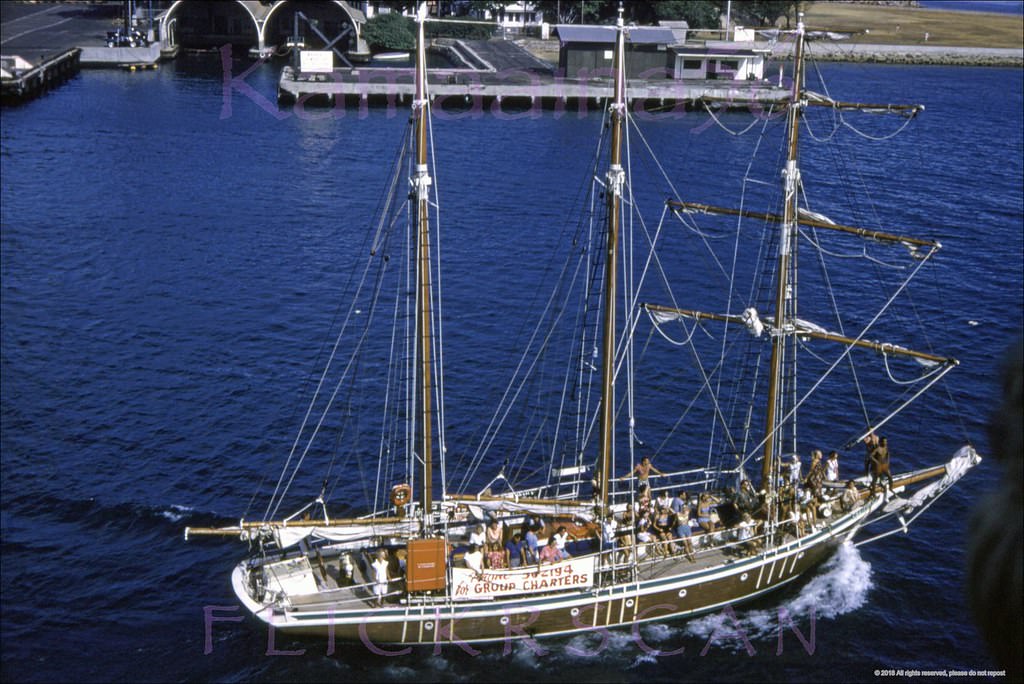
804,221
884,348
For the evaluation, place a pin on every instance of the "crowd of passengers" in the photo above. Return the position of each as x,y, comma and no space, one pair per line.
491,547
665,525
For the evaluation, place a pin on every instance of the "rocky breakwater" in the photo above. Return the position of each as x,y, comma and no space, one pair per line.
908,54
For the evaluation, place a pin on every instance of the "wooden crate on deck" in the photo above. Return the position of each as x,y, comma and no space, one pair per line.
425,567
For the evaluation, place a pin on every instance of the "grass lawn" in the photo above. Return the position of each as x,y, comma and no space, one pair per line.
908,25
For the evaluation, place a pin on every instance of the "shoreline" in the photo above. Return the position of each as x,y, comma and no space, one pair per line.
938,55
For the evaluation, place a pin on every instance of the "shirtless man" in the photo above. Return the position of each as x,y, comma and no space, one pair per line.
643,471
879,460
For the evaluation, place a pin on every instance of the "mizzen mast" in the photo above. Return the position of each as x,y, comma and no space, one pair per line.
615,180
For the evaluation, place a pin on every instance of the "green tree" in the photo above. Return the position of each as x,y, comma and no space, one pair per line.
568,11
764,12
696,13
390,32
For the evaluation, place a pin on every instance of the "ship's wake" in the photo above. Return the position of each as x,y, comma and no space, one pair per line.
840,587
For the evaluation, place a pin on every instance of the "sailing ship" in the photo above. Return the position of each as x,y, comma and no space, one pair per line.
606,554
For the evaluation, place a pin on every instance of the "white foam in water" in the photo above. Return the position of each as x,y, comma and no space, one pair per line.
176,512
841,588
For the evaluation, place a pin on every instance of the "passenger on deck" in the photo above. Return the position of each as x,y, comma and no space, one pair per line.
789,511
680,502
643,471
664,527
816,474
706,512
682,530
850,498
497,558
664,501
474,559
870,442
626,542
808,508
728,508
530,551
550,553
561,538
516,549
380,577
643,528
644,535
495,535
745,533
609,530
748,500
794,471
477,536
832,467
880,465
536,523
643,505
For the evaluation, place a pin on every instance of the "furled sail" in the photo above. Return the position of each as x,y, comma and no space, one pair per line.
289,536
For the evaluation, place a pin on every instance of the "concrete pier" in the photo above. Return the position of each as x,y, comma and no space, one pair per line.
45,44
514,88
501,73
122,56
20,80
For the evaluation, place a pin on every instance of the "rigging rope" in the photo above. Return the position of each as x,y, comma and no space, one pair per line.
842,356
725,128
863,254
844,122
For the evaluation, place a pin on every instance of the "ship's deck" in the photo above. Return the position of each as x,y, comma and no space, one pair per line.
342,577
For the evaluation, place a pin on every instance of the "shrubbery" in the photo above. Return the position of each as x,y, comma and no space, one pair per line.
451,29
390,32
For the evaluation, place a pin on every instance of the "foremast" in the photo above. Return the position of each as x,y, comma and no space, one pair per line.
421,182
613,191
785,297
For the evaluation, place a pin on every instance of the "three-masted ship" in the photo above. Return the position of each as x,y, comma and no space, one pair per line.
405,572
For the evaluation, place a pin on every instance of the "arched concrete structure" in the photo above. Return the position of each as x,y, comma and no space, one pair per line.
356,17
261,13
253,10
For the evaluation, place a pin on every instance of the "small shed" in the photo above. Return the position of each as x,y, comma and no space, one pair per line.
587,51
720,60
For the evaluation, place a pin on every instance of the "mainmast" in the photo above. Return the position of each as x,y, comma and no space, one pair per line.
783,293
421,183
615,179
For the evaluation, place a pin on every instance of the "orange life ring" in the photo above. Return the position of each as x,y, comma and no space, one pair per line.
401,494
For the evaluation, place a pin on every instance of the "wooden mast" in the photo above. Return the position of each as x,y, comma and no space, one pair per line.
787,238
615,179
421,182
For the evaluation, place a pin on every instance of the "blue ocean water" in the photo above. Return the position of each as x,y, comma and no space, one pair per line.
1000,6
172,250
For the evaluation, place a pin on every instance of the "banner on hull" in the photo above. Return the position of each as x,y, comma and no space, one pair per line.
575,573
